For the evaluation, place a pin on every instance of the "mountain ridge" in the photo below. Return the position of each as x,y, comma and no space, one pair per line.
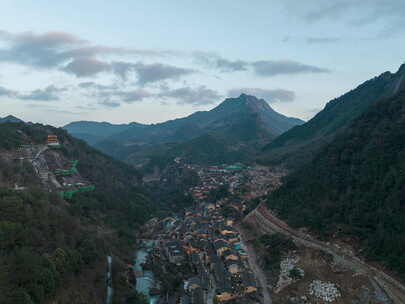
226,119
299,144
54,248
10,118
354,186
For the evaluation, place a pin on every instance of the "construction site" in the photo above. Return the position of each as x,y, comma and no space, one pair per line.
327,272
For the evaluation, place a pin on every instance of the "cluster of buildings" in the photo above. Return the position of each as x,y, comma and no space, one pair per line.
263,180
215,176
206,241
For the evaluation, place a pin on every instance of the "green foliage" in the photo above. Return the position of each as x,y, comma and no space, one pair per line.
300,144
35,255
295,274
355,186
233,131
219,193
137,298
44,241
272,248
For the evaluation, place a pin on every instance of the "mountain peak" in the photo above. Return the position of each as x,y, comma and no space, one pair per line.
249,98
255,104
10,118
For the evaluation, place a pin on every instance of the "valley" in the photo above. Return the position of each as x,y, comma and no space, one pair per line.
202,152
201,209
214,251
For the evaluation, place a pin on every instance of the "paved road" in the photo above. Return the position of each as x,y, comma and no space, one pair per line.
256,269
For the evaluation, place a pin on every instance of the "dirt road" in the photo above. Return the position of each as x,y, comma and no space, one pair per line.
269,223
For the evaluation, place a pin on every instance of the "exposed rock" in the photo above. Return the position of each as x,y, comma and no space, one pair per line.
324,290
286,265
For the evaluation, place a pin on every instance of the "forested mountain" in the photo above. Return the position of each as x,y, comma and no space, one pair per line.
93,132
301,143
232,126
10,118
356,185
54,250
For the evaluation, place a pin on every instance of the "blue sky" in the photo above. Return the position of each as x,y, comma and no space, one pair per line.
150,61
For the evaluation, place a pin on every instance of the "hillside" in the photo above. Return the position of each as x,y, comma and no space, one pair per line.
54,249
355,186
93,132
238,142
298,145
10,118
234,124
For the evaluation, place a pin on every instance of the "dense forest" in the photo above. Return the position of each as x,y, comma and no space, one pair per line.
300,144
54,249
356,186
239,141
233,131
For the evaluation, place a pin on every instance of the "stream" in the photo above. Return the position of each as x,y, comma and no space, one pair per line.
144,279
109,281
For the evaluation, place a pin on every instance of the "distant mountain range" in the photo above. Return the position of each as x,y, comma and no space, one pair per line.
300,144
232,131
10,118
93,132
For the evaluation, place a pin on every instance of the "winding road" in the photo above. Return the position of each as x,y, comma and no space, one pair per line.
269,223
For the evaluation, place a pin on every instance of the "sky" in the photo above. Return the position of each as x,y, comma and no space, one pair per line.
151,61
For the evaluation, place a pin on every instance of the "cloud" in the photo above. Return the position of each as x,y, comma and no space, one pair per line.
322,40
134,96
52,49
88,66
37,50
222,64
193,96
73,55
269,68
263,68
387,14
48,108
271,96
148,73
6,92
108,103
69,53
49,93
122,69
113,95
97,86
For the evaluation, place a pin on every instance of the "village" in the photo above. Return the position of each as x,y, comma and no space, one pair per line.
208,245
201,249
206,253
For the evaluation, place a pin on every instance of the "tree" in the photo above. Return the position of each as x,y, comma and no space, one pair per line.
137,298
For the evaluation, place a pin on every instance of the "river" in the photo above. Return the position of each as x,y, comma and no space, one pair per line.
109,281
146,281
